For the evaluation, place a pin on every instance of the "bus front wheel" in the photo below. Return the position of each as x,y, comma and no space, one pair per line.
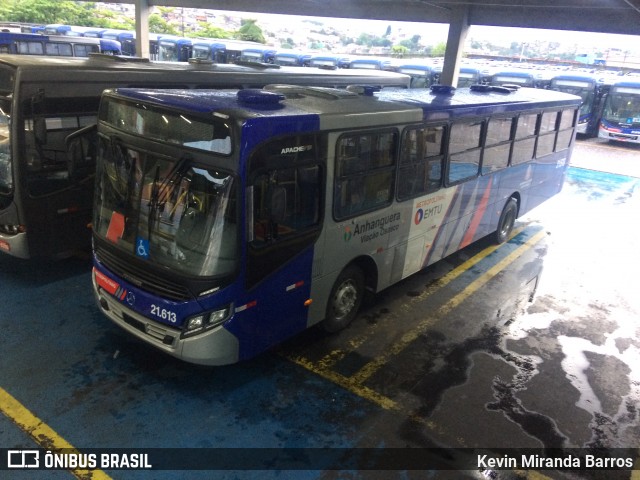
507,220
345,299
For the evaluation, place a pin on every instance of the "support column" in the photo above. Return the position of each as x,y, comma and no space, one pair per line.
458,28
142,28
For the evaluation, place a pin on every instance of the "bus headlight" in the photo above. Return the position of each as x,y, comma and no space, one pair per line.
205,321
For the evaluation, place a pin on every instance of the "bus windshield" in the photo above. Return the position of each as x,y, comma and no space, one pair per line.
586,92
623,106
6,176
162,205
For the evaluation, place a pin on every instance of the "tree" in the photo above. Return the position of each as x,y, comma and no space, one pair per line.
438,49
399,50
48,11
251,32
210,31
159,25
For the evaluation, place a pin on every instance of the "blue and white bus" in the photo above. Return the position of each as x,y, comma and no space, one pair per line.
329,61
422,75
370,63
590,90
468,76
45,202
291,58
174,49
257,54
223,50
55,45
620,119
520,78
225,223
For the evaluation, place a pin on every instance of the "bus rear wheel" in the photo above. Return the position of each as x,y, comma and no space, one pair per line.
345,299
507,220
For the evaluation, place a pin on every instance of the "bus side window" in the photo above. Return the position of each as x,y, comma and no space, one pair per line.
59,49
565,133
420,170
525,138
497,144
547,135
365,165
29,48
464,151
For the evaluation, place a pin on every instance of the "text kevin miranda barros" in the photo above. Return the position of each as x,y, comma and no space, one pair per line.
540,461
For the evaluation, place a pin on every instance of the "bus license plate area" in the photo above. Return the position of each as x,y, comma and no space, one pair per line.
617,136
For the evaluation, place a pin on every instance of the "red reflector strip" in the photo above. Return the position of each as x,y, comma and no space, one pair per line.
295,285
246,306
109,285
5,246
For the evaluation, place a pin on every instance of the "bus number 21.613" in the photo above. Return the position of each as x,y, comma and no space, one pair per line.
163,313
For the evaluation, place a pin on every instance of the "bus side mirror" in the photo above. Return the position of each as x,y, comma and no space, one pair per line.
82,149
278,207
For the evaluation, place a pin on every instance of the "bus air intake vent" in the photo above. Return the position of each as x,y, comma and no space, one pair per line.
142,278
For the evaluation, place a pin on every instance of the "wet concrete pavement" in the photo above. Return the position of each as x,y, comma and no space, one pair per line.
461,355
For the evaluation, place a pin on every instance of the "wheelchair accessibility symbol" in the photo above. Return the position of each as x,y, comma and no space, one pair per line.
142,247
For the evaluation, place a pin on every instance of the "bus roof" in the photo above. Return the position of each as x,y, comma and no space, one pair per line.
353,108
110,68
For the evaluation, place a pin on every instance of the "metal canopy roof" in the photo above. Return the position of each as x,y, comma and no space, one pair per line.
606,16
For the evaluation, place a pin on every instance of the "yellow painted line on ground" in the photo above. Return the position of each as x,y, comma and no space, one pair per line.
354,383
43,435
336,355
372,367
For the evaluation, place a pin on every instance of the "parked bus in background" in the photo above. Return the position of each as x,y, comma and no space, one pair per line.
225,223
621,113
590,91
45,205
291,58
95,32
329,61
422,75
55,45
56,29
370,63
468,76
213,50
223,50
513,77
174,49
257,54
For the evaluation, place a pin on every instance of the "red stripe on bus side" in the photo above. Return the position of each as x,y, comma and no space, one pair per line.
477,217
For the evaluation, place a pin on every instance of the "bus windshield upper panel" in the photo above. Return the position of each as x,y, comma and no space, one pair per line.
171,127
163,204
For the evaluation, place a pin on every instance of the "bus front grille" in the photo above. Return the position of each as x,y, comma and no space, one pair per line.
142,278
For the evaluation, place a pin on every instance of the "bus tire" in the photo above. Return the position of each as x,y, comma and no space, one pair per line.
507,220
345,299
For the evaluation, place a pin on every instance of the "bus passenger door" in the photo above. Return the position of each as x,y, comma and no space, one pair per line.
283,224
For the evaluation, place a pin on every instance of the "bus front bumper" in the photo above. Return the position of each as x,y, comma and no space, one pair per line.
213,347
15,245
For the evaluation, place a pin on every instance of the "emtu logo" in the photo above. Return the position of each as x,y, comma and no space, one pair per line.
347,234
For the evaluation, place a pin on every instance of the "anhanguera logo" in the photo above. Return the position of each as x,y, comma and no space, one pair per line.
370,230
